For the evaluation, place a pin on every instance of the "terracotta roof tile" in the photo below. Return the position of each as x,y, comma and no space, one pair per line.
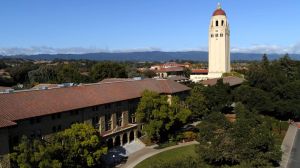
27,104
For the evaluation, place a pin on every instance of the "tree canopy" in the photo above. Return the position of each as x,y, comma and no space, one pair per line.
160,116
104,70
78,146
248,141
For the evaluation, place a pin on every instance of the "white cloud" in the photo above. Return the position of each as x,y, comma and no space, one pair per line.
259,48
269,49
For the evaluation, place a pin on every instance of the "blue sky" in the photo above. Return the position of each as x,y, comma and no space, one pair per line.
31,26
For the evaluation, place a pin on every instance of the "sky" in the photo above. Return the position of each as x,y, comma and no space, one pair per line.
80,26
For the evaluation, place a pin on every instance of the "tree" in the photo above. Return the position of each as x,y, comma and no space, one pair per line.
149,73
235,144
254,99
104,70
187,72
44,74
78,146
160,116
69,73
218,96
20,72
197,102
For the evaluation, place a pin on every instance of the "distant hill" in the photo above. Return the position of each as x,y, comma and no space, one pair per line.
150,56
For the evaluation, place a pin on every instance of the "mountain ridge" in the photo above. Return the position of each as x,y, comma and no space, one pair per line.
149,56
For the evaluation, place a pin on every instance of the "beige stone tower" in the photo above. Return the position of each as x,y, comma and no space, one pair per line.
219,44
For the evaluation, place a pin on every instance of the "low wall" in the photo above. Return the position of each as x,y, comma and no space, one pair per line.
287,144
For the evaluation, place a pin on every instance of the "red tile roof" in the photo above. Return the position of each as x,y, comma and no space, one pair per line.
200,71
6,123
26,104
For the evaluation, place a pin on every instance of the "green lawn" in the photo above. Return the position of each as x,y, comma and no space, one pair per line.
169,156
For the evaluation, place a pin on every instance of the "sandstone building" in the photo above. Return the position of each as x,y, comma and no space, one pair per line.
108,106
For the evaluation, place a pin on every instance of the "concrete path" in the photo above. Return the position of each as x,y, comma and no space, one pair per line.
294,160
288,145
147,152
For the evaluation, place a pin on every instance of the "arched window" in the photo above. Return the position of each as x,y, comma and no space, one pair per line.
212,35
222,22
217,35
221,35
217,23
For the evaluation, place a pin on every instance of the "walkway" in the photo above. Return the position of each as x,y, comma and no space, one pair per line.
147,152
294,160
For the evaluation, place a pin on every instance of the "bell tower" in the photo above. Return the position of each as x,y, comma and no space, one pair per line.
219,44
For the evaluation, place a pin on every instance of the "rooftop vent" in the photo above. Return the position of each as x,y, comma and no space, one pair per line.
43,88
137,78
9,90
66,85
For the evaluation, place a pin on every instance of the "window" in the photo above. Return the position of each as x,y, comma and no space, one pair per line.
217,23
56,116
38,120
54,129
119,118
221,35
107,122
95,121
59,128
119,104
95,108
107,106
212,35
222,22
35,120
217,35
39,133
74,112
32,121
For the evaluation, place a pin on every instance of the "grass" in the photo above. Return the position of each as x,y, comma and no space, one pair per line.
165,145
169,156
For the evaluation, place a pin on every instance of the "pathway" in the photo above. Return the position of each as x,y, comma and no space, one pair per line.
147,152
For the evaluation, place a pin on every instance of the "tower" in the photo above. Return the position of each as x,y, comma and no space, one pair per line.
219,44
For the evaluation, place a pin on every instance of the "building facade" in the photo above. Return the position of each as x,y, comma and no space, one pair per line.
108,106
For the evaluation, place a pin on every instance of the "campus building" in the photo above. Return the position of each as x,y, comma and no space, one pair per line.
108,106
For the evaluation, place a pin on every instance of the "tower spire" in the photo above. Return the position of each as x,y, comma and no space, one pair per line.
219,5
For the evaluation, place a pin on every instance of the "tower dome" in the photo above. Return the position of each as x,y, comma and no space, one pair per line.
219,11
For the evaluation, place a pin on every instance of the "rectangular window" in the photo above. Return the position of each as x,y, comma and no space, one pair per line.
56,116
221,35
32,121
95,108
38,119
35,120
107,106
119,119
119,104
107,122
95,121
212,35
74,112
54,129
217,35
